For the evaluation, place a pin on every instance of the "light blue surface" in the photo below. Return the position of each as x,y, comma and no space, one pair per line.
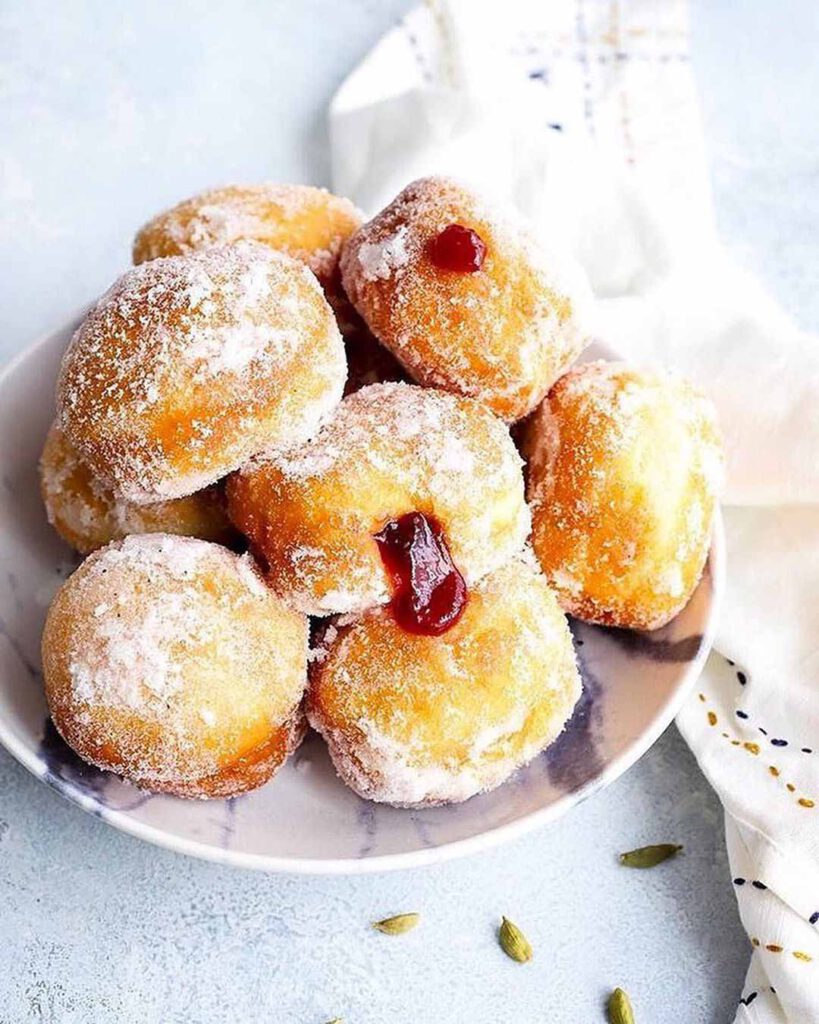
108,111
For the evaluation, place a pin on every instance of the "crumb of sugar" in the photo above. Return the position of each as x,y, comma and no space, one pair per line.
380,259
670,580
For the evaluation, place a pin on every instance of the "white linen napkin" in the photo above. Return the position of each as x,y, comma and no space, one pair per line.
583,114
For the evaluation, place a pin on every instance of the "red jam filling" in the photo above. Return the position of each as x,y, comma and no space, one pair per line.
429,594
459,249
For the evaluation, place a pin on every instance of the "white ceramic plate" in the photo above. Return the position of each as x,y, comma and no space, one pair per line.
305,820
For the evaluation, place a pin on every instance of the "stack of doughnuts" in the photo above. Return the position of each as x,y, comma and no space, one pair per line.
283,413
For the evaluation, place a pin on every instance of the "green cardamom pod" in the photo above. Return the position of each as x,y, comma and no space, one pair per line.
397,925
620,1011
513,942
649,856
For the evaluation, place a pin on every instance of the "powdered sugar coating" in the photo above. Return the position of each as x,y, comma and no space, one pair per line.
168,661
88,515
503,334
310,224
312,511
189,365
383,258
414,721
624,472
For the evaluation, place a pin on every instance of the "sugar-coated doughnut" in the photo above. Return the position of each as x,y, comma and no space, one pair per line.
312,512
501,327
309,224
88,515
623,477
417,720
189,365
168,661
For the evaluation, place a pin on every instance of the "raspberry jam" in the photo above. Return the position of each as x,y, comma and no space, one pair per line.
458,248
429,594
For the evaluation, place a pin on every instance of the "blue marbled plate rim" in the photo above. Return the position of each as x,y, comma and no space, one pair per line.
492,837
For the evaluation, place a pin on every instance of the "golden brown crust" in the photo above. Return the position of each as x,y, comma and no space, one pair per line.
310,224
88,515
167,661
624,470
190,365
417,720
312,511
248,772
502,335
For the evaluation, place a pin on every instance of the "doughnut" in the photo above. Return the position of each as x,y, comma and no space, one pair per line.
419,720
169,662
190,365
313,512
463,299
624,471
309,224
88,515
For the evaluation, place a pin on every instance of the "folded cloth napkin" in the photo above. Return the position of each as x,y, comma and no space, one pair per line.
583,114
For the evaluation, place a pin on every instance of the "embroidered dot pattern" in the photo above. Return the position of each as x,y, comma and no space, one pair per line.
774,947
776,741
754,750
747,1000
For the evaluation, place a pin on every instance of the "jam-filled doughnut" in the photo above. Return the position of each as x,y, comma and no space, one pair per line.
623,477
318,513
88,515
189,365
168,661
464,300
309,224
417,720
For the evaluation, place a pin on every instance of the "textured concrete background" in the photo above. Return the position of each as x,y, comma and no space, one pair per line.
109,111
